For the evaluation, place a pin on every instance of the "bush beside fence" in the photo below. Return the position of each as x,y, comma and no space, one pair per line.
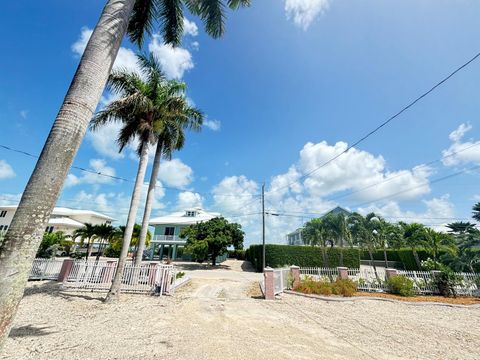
304,256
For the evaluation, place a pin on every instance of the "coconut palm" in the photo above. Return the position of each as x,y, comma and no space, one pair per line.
314,233
105,233
337,228
476,211
437,241
460,227
167,106
137,17
414,235
88,232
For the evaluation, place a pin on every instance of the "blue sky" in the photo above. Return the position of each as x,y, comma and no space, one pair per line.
290,84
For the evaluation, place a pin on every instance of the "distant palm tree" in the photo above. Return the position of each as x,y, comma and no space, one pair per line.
336,227
165,103
87,232
476,211
137,17
415,237
437,241
314,233
460,227
105,233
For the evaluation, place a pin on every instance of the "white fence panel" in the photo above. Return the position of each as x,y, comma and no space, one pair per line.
323,274
45,269
281,280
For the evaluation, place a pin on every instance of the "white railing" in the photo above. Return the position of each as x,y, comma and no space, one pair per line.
368,280
98,276
45,269
423,281
323,274
470,285
171,239
281,280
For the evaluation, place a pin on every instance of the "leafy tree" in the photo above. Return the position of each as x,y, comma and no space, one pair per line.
117,240
212,238
467,256
50,243
415,236
137,18
165,103
89,233
106,233
337,228
460,227
436,242
476,211
314,233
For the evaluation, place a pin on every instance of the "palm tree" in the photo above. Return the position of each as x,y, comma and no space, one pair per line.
460,227
118,17
314,234
106,233
476,211
414,235
436,242
116,242
393,235
87,232
165,103
337,227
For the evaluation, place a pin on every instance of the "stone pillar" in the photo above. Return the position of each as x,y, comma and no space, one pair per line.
342,272
295,271
65,270
390,272
269,290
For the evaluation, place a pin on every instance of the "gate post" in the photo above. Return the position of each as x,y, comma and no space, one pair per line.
342,272
65,270
269,290
295,271
390,272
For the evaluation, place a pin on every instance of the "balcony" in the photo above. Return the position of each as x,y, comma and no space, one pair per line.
168,239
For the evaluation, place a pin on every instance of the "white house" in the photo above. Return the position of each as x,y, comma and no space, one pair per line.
168,228
62,219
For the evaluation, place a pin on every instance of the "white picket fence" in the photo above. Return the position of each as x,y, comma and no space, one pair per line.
45,269
98,276
369,280
281,280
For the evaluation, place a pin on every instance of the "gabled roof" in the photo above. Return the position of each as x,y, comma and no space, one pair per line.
181,218
65,221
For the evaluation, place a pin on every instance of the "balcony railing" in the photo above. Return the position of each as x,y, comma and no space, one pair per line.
170,239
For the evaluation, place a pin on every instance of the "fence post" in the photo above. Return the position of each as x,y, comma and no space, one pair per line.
390,272
342,272
295,270
435,275
65,270
269,283
110,269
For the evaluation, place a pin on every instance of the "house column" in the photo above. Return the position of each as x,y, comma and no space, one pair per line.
161,252
174,254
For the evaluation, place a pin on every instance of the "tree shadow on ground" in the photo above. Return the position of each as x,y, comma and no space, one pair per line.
247,266
53,288
30,331
198,266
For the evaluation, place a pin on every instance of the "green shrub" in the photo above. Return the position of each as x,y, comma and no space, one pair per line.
344,287
401,285
303,256
403,255
179,275
310,286
111,252
446,281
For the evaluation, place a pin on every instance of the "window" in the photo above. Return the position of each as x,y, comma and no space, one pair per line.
169,230
3,213
191,213
49,229
3,227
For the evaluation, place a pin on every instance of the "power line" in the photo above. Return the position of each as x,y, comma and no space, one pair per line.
386,122
99,173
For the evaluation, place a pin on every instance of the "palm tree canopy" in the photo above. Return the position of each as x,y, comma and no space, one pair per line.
460,227
88,231
150,108
169,13
476,211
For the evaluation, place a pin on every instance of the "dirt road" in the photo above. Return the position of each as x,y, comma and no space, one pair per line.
219,315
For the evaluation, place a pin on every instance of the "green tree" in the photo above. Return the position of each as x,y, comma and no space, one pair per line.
50,243
415,237
89,233
476,211
393,234
212,238
106,233
437,241
137,17
166,104
336,227
314,233
117,241
460,227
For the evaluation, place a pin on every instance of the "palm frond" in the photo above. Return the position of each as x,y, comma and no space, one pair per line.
170,15
235,4
141,21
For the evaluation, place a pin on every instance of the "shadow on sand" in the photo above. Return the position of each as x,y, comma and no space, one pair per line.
30,331
53,288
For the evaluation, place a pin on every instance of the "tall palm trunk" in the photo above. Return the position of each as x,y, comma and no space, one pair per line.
385,258
372,263
417,259
24,234
149,204
341,251
127,235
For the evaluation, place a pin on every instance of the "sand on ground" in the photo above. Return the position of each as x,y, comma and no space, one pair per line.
219,314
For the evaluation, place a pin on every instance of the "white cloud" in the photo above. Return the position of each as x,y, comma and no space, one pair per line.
98,166
213,125
461,152
189,199
304,12
174,60
78,47
6,171
10,199
104,139
175,173
189,27
24,114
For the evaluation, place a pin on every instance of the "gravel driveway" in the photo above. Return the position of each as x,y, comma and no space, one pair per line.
219,315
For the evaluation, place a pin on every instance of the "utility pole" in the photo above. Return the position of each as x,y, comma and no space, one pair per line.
263,226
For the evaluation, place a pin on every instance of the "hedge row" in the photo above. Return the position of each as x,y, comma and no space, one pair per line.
303,256
404,255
